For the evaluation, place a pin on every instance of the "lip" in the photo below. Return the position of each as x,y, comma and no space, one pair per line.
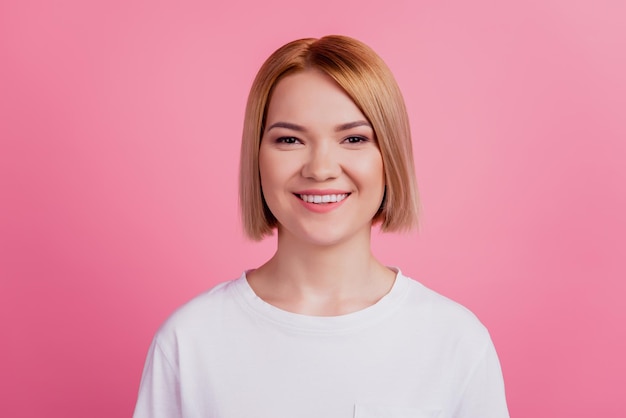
321,208
322,191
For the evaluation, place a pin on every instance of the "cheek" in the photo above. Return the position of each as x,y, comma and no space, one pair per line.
274,171
370,169
266,166
267,181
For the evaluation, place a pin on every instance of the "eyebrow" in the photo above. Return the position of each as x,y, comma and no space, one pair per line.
338,128
287,125
351,125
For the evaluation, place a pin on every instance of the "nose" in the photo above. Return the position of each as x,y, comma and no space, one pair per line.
321,163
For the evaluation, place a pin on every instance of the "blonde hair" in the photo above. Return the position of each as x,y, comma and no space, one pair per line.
371,86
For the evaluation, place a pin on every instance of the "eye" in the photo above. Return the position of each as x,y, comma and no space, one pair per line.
355,139
287,140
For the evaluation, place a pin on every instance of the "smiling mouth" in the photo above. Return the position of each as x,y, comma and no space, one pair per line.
323,198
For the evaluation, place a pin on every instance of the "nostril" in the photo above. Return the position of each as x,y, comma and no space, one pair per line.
321,169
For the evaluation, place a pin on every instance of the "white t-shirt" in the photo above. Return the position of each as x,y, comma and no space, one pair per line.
414,353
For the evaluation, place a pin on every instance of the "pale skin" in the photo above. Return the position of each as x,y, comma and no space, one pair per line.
318,143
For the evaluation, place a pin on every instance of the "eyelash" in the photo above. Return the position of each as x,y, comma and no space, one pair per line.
359,138
293,140
287,140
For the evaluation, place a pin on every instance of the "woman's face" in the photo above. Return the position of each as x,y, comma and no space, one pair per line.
321,169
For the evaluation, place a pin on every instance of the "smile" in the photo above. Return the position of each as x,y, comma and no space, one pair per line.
323,198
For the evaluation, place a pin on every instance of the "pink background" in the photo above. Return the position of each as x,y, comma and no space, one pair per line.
119,137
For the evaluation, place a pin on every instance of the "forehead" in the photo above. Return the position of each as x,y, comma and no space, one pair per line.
311,97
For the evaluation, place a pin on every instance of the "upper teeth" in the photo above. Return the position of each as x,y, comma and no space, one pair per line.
323,198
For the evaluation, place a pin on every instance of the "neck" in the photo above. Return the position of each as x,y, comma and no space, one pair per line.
322,280
326,268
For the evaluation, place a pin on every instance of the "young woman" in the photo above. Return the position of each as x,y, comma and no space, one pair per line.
323,329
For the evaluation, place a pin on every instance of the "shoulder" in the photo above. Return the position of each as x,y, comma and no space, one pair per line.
443,317
204,313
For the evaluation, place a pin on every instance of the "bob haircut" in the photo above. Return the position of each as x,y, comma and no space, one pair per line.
364,76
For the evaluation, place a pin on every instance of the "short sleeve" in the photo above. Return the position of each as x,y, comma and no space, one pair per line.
483,394
159,391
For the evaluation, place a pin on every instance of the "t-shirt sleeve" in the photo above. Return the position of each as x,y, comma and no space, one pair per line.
159,393
483,394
